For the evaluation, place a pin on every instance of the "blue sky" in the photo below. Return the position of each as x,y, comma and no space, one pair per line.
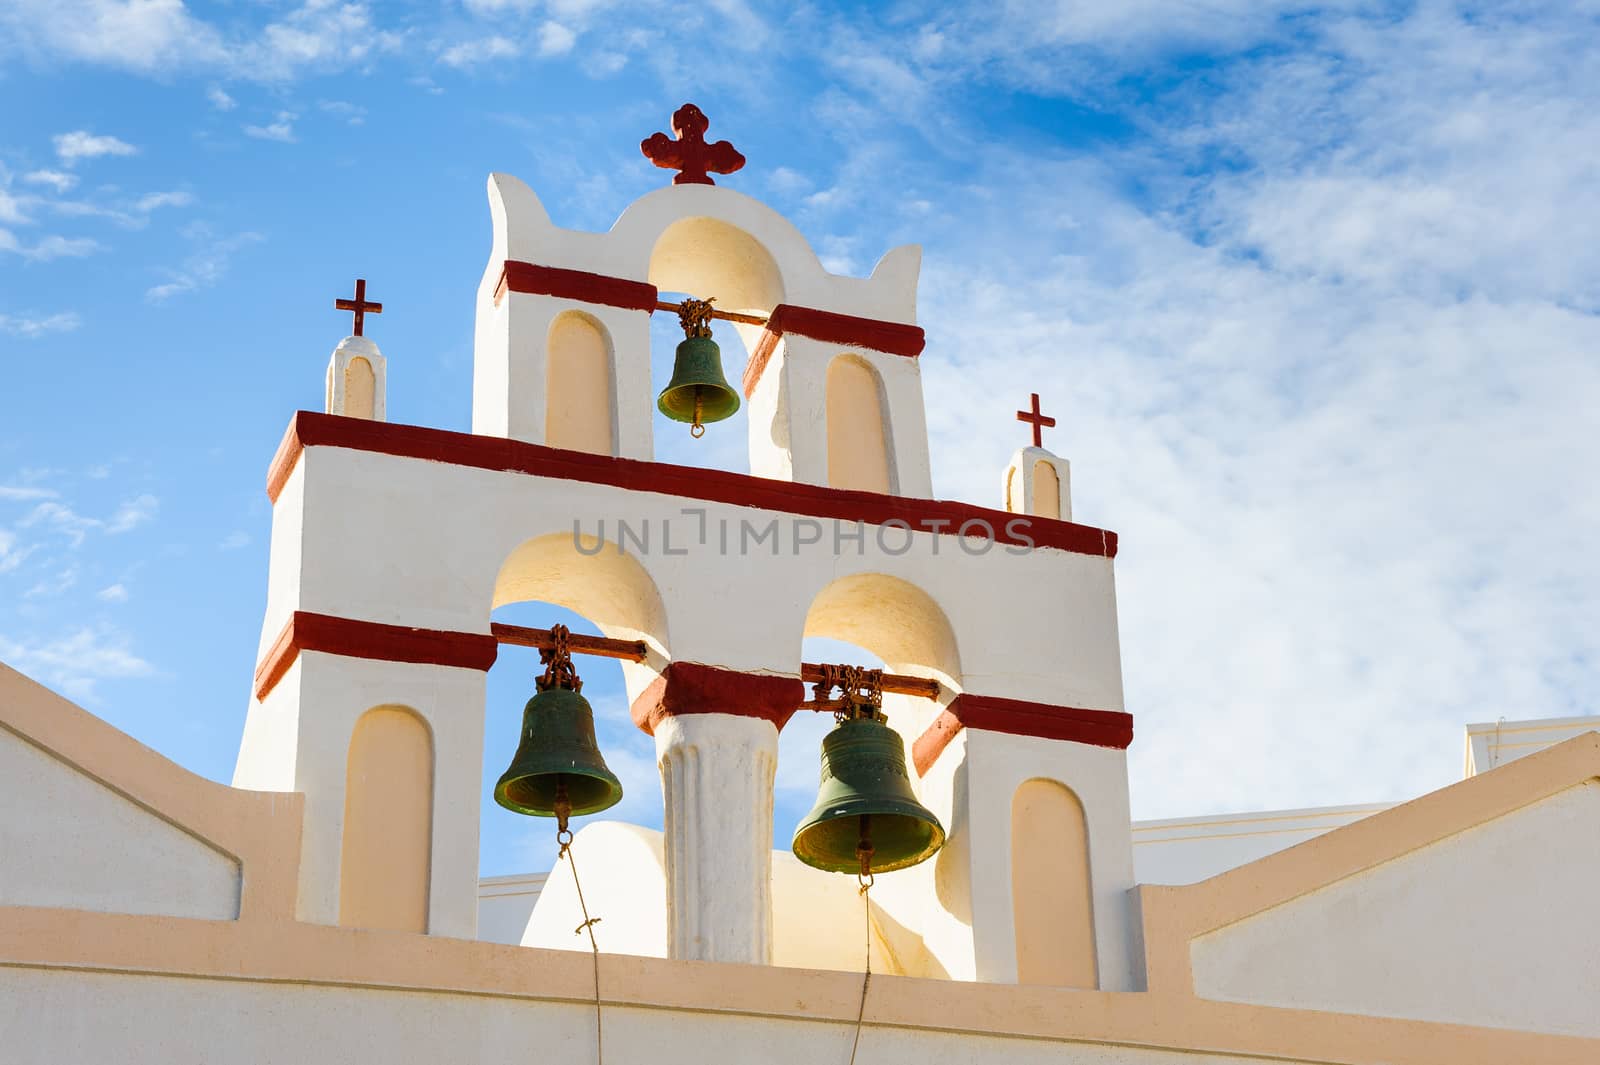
1311,288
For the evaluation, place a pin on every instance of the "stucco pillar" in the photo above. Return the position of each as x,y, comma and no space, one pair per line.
716,733
716,779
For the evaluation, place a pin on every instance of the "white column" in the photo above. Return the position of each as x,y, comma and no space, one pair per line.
716,779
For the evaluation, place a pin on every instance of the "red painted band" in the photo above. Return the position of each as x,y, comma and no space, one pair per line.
1100,728
846,330
574,285
718,486
373,640
691,688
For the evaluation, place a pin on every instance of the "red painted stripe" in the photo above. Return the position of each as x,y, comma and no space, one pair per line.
691,688
1101,728
374,640
574,285
736,489
893,338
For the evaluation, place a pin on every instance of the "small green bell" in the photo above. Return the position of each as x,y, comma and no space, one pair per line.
558,769
867,819
698,393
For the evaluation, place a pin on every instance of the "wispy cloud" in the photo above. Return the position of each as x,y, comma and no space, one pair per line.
115,593
220,99
57,180
24,493
353,114
32,326
477,52
205,265
134,513
156,200
280,129
81,144
555,39
234,540
47,248
75,662
63,519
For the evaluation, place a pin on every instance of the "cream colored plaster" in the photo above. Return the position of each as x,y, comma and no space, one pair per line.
1046,490
1037,481
1051,898
579,399
388,822
356,380
66,839
359,388
858,449
1492,926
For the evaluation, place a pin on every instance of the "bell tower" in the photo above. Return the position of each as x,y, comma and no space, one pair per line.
392,544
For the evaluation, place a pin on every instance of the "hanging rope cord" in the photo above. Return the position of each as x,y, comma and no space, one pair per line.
564,838
864,852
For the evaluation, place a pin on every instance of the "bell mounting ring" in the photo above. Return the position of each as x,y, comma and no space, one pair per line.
860,690
695,316
559,672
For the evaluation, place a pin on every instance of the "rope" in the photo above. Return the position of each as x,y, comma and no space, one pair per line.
866,980
564,838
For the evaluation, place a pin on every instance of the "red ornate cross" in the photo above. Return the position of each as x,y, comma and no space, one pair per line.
690,155
1039,421
359,304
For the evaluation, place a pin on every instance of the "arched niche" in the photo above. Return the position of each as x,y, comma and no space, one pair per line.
580,391
1046,490
892,618
858,433
1052,905
360,386
704,256
386,853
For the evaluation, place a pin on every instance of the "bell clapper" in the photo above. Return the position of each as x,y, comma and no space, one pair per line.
697,430
864,853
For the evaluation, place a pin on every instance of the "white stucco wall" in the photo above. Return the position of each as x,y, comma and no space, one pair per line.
1494,926
504,905
1188,849
67,840
51,1017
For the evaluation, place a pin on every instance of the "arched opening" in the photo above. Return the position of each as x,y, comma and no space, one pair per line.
1051,903
858,439
579,393
1046,490
704,257
591,587
386,855
360,386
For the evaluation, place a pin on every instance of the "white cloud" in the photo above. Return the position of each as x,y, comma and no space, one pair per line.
75,662
54,585
280,129
55,247
220,100
477,52
116,593
31,327
353,114
233,541
57,180
134,513
205,266
555,39
80,144
62,518
156,200
12,554
24,493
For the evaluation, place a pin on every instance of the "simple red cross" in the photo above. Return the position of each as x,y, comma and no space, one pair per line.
359,304
690,155
1039,421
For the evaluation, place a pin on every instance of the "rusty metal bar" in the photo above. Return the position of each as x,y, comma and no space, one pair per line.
601,646
636,651
726,316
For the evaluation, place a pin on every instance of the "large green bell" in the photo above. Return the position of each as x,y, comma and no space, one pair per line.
558,759
698,393
865,807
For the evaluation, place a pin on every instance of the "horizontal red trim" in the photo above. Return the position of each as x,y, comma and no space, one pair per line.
1101,728
309,429
893,338
574,285
374,640
691,688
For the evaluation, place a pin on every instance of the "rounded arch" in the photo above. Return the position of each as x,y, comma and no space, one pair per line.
386,853
589,576
892,618
707,256
580,392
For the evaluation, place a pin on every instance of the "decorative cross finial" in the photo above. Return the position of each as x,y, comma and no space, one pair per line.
690,155
1039,421
359,305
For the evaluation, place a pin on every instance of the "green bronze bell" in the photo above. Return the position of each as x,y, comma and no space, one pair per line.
867,819
558,770
697,393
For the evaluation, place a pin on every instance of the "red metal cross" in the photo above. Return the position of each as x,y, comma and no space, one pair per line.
1039,421
690,155
359,304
